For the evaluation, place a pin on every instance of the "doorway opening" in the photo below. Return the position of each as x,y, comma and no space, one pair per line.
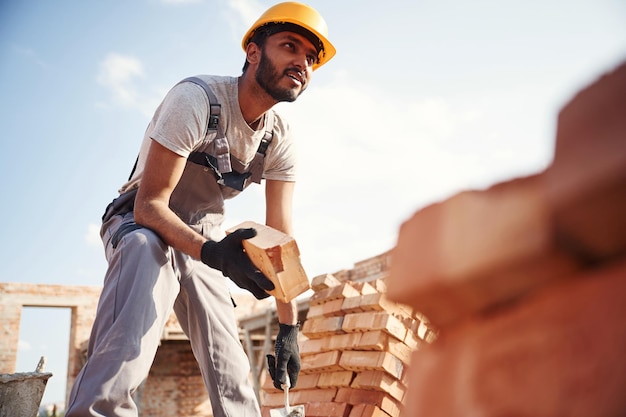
45,331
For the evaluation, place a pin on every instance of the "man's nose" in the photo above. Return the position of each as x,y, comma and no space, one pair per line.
302,62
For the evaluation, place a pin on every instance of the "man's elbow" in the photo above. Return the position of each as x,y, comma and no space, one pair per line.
143,212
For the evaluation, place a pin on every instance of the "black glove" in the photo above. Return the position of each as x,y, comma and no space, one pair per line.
228,256
287,357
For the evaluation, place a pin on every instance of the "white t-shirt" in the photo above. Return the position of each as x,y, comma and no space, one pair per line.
180,125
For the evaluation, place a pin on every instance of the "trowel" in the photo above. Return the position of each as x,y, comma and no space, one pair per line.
288,411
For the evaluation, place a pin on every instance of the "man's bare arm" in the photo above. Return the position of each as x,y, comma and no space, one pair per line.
278,215
161,175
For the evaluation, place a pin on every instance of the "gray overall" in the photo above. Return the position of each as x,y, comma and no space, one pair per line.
146,279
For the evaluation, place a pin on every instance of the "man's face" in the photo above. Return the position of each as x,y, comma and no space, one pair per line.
286,65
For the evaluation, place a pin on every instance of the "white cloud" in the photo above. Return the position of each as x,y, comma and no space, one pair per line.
117,73
247,10
120,74
92,236
240,14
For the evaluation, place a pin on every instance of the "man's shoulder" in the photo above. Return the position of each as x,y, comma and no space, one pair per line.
219,84
198,89
280,122
217,81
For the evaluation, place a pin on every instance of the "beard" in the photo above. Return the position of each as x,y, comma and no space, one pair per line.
268,77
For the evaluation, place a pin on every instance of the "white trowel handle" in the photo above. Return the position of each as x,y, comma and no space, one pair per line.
285,388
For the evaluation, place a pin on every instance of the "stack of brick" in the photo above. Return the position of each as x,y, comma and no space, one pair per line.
357,347
526,280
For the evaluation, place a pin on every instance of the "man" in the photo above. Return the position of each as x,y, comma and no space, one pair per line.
163,238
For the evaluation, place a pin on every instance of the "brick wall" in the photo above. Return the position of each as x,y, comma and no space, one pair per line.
174,386
82,300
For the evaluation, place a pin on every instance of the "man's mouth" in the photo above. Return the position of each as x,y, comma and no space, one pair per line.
296,76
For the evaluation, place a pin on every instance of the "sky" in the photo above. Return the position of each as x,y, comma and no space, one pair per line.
424,99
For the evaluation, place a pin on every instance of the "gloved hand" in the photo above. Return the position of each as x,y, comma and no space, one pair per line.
228,256
287,359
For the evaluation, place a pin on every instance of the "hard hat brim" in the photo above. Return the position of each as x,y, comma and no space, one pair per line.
325,54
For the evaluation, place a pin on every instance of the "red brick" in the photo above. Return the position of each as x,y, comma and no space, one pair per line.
333,308
324,281
316,310
352,304
380,302
317,327
321,362
364,288
305,381
346,341
381,341
313,395
412,340
313,346
380,285
477,250
377,398
371,360
367,410
327,409
368,321
587,178
374,340
559,352
380,381
333,293
277,255
335,379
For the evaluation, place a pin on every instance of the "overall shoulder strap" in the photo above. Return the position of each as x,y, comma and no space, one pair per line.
221,144
214,112
215,107
269,133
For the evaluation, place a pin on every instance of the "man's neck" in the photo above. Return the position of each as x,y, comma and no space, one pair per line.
253,100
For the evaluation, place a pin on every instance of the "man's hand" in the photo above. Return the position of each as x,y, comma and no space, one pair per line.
228,256
287,359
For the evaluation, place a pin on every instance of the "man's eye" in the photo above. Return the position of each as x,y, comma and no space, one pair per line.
310,59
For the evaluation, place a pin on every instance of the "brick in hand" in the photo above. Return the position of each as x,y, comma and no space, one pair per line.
277,255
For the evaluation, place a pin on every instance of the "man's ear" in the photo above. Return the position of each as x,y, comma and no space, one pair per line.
253,53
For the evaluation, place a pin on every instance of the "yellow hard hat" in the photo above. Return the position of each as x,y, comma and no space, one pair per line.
300,15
